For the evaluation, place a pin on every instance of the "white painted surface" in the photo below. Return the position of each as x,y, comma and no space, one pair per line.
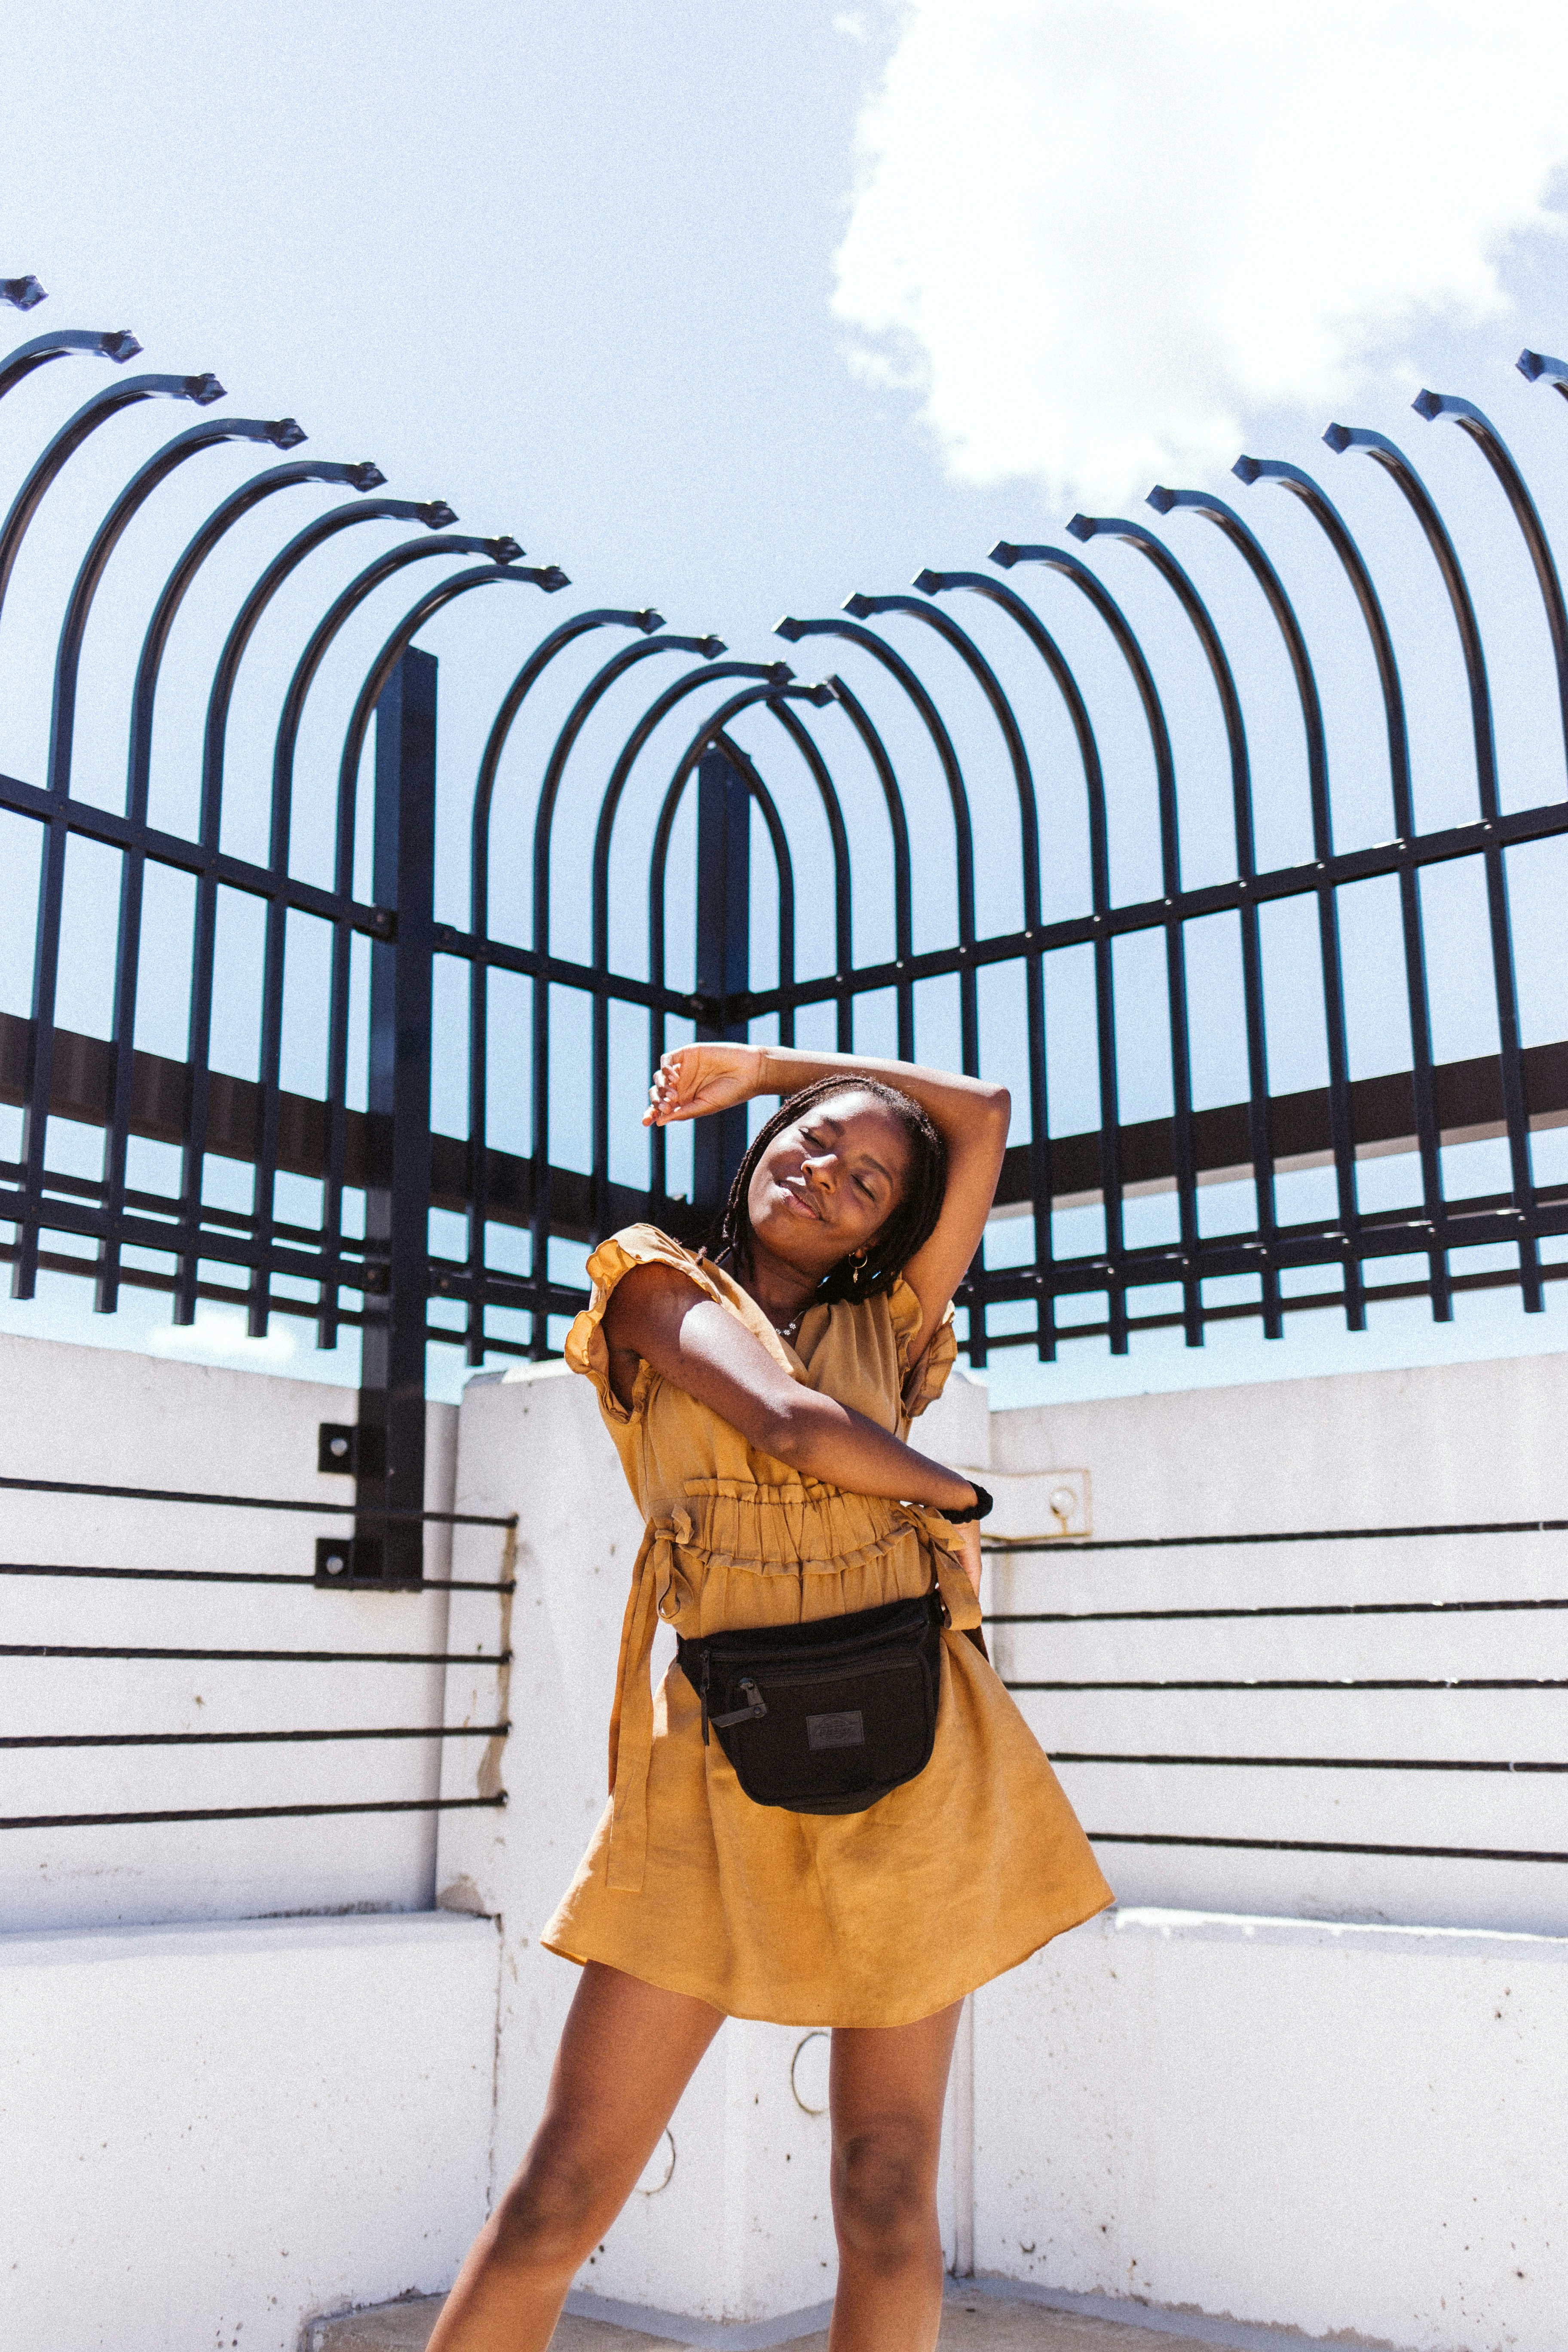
1462,1442
1353,2130
209,2135
1294,2122
96,1415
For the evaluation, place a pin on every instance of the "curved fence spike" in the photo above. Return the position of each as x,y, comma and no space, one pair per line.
1125,638
503,567
1392,459
433,513
88,418
281,432
481,960
821,776
773,676
362,476
302,472
118,345
931,719
933,583
707,648
876,751
1235,532
1540,367
1327,515
304,543
318,645
1476,426
771,691
1155,552
21,293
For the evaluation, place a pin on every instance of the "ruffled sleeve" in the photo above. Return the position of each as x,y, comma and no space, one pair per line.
922,1377
587,1350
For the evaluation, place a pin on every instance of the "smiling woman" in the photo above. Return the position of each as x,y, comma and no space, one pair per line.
832,1814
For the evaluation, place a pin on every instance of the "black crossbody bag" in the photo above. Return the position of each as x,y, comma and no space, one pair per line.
824,1717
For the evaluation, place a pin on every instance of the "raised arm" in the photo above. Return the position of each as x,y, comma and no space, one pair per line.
969,1115
659,1314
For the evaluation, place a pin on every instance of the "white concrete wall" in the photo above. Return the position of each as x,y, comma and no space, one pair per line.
1332,2127
98,1414
210,2135
1464,1442
1340,2130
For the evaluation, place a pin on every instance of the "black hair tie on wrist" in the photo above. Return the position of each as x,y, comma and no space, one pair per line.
980,1508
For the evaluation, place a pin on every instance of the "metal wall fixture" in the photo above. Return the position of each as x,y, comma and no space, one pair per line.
365,1259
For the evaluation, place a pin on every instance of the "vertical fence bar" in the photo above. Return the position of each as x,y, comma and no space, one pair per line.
397,1201
723,955
41,1053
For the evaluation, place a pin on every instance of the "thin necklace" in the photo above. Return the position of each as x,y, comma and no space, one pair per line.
786,1331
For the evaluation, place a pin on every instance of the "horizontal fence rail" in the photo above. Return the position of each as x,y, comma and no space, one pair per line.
1228,1759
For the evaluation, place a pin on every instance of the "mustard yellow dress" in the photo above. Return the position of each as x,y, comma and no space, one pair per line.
870,1918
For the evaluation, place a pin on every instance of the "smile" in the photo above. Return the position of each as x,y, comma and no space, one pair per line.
798,1201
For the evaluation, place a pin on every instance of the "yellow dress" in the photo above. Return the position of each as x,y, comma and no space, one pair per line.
870,1918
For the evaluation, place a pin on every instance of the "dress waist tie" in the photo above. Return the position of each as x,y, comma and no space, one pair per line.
656,1580
958,1595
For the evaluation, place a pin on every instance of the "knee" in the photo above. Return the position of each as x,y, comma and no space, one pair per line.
884,2194
549,2219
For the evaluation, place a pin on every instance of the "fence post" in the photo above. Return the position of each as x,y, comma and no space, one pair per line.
724,954
397,1201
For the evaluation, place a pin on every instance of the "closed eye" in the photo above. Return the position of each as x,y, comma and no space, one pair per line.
814,1141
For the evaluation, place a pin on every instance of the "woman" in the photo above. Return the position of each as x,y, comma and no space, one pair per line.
759,1400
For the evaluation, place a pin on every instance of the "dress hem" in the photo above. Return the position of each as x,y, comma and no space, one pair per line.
825,2021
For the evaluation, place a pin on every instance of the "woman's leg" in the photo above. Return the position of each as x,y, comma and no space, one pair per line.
885,2089
628,2053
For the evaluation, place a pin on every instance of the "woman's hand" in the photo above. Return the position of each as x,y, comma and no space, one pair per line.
694,1080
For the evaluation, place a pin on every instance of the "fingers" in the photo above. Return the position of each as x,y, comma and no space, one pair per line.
665,1095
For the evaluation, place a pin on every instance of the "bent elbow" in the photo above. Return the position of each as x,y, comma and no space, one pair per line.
996,1112
786,1434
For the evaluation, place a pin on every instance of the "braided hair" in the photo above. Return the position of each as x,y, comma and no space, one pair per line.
909,1224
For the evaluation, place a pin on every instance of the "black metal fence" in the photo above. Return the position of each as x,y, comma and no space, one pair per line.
863,862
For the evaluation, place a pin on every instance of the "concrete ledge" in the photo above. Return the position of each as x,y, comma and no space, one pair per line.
1350,2131
213,2133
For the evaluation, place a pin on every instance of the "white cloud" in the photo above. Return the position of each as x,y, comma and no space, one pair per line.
1100,233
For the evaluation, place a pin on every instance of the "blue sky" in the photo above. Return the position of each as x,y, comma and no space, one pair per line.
738,309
